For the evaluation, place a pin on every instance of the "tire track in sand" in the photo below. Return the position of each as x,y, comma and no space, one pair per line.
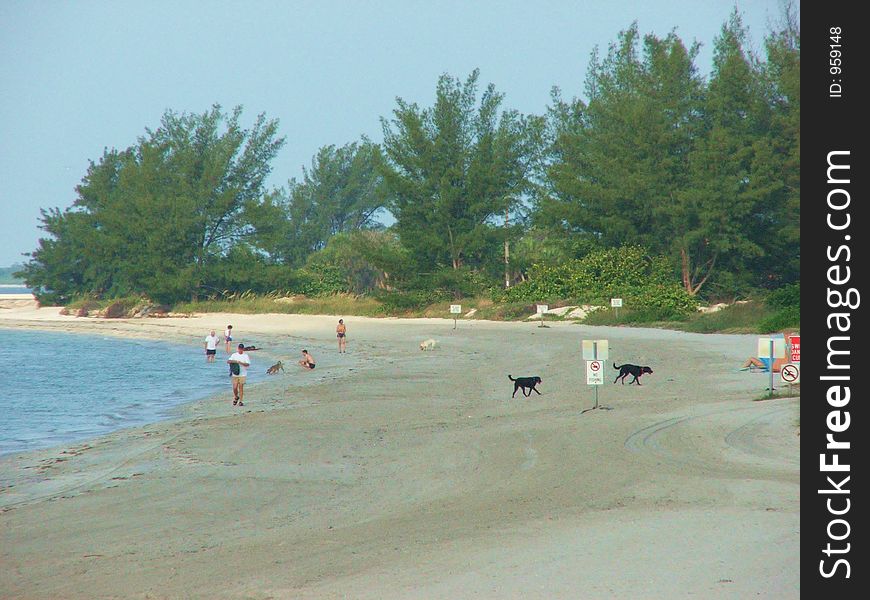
652,440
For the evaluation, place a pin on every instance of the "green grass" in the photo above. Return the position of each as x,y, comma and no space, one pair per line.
737,318
339,304
639,317
783,392
751,317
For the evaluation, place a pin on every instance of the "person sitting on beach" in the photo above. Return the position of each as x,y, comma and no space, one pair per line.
753,362
307,361
239,362
341,332
211,342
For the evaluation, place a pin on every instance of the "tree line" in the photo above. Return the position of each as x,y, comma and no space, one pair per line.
701,173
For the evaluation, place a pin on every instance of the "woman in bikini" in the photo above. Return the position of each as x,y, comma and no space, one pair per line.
228,337
340,333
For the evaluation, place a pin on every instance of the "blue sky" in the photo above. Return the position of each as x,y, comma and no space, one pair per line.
80,76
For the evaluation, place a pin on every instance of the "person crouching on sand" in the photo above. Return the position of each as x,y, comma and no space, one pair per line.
239,362
307,361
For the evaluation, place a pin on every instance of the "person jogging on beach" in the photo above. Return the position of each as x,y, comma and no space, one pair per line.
341,333
307,361
239,362
228,337
211,342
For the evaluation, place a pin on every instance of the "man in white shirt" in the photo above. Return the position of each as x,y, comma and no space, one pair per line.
239,362
211,342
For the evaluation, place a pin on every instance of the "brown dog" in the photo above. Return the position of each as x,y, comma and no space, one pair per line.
278,366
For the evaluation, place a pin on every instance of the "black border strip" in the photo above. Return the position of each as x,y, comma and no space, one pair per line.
834,110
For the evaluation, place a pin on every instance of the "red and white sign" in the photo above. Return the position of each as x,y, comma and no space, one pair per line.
794,343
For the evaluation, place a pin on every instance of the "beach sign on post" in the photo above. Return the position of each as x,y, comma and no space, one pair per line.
455,309
771,348
595,353
616,303
794,348
594,372
542,308
596,350
791,372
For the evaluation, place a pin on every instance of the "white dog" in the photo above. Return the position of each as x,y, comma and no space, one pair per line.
428,344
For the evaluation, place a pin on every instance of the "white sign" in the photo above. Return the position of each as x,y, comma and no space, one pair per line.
594,372
542,308
778,347
591,346
616,302
791,373
455,309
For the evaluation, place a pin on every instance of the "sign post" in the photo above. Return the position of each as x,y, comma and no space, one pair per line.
595,352
771,348
455,309
542,308
616,303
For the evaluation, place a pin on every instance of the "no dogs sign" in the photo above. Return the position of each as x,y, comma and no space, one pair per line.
790,373
594,372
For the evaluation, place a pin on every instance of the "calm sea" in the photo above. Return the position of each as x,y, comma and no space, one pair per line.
13,288
62,388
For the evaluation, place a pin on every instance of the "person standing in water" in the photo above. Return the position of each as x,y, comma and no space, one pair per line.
211,342
341,334
228,337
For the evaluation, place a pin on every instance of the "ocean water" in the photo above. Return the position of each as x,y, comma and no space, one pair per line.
12,288
62,388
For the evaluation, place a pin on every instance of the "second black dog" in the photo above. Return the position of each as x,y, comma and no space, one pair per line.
526,383
634,370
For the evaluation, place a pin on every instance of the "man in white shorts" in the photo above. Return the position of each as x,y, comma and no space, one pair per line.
211,342
239,362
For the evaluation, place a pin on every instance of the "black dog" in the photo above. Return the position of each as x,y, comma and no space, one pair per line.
626,370
526,383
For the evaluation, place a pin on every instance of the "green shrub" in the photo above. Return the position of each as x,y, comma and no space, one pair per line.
737,318
319,280
644,282
786,318
786,302
403,302
785,297
662,298
449,283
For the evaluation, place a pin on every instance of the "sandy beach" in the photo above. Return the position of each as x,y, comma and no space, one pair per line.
394,473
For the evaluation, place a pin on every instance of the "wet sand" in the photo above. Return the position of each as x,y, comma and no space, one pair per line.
394,473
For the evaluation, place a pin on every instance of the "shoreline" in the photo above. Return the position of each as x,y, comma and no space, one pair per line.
48,319
392,473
